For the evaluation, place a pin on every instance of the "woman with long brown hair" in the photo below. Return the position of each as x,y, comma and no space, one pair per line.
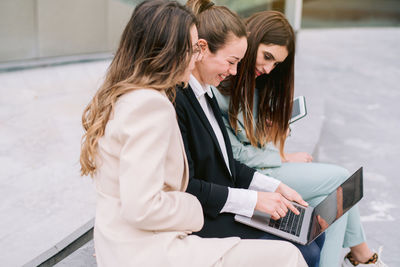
133,148
224,186
256,106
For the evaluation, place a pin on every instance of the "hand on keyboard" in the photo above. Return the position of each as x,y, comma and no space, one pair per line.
291,195
274,204
291,223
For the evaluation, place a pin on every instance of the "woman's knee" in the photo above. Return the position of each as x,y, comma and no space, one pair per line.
341,173
295,252
335,176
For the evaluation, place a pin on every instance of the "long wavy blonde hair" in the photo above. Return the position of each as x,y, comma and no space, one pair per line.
154,52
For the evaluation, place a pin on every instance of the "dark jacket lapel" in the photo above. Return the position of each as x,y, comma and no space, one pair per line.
200,113
203,118
218,116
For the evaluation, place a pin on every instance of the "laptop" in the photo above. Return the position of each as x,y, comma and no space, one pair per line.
312,221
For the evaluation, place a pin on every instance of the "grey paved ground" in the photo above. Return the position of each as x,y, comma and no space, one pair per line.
359,74
42,197
350,80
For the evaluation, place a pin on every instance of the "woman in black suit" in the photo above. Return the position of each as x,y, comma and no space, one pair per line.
224,186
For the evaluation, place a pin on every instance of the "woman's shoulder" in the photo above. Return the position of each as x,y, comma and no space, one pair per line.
143,100
144,94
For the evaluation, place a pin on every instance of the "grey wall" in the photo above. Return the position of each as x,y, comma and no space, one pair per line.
33,29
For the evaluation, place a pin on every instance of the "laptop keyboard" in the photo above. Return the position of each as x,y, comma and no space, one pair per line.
291,223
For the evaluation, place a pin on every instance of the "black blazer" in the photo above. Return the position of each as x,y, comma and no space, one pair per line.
209,178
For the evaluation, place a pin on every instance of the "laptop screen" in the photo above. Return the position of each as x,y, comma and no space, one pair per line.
336,204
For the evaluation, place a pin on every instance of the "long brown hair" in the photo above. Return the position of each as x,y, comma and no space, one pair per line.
216,23
275,89
154,52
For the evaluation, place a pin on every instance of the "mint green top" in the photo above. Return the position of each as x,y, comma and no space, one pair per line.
255,157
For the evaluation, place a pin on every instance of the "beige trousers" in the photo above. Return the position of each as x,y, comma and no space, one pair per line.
254,253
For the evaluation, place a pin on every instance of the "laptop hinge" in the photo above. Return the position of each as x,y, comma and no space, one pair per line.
310,225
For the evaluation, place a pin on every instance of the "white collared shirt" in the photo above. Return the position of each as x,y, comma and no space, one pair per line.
239,201
200,91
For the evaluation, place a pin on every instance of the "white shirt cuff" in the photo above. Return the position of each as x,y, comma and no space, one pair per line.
240,201
264,183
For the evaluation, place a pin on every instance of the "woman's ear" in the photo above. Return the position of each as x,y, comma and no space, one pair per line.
203,45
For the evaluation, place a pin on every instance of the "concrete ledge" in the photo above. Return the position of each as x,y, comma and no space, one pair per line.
65,247
83,257
309,79
53,61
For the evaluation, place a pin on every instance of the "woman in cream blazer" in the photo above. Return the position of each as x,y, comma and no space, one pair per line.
143,216
133,148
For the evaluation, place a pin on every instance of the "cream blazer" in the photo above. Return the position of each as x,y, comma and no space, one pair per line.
143,215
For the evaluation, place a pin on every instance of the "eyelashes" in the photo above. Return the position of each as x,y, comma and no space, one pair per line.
270,57
267,57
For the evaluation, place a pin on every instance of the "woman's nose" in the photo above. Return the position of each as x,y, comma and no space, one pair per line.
268,68
233,69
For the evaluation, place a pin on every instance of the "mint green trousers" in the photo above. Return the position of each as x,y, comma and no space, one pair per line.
314,181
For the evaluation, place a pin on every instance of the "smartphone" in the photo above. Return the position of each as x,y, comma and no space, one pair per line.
299,109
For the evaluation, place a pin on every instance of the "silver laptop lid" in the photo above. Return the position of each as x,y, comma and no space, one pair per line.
336,204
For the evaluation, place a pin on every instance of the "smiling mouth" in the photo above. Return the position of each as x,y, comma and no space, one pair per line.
258,73
222,77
